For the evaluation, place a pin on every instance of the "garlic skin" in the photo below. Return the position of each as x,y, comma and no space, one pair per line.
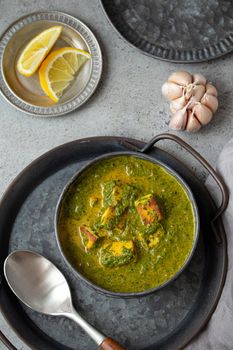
211,89
179,119
202,113
210,101
177,104
181,78
193,100
198,93
171,90
199,79
193,124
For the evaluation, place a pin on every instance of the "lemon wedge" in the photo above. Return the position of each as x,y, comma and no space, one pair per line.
36,50
59,69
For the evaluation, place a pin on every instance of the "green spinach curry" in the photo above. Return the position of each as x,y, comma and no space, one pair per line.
127,224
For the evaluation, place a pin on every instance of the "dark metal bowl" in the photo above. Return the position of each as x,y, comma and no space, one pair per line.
80,173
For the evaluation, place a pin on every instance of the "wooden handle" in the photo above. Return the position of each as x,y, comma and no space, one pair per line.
110,344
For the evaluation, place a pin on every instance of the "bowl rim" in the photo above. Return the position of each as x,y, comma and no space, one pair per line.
167,168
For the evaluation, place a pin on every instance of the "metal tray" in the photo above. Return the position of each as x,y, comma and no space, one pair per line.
25,93
176,31
165,320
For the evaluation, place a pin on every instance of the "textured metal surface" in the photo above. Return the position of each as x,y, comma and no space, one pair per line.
26,93
179,30
167,319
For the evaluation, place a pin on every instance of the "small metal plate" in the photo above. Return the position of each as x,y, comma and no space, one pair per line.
165,320
25,93
176,31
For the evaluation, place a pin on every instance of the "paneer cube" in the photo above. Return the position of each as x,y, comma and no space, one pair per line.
117,253
148,209
151,240
89,238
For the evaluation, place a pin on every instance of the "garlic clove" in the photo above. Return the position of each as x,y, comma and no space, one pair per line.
179,120
210,101
181,78
199,79
203,113
211,89
188,91
171,90
177,104
193,124
198,93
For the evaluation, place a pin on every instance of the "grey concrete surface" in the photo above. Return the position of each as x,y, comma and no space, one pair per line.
128,102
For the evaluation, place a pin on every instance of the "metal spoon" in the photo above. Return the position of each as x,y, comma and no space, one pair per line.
42,287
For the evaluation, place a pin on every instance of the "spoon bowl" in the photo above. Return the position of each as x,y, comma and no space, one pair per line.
40,285
37,283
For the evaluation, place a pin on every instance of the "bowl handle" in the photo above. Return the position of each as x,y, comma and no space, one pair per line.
223,188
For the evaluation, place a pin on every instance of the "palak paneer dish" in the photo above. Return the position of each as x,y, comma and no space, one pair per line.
126,224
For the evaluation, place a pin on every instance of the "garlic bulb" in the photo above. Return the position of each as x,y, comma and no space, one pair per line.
193,100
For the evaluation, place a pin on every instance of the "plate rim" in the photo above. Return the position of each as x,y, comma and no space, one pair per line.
121,141
72,104
178,52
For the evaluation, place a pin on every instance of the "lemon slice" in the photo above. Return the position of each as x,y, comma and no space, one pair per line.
36,50
59,69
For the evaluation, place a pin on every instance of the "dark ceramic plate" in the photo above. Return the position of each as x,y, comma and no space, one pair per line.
165,320
178,30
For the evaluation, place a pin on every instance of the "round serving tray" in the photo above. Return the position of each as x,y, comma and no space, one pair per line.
176,31
167,319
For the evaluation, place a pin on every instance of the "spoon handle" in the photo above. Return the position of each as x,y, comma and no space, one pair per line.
110,344
101,340
6,342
